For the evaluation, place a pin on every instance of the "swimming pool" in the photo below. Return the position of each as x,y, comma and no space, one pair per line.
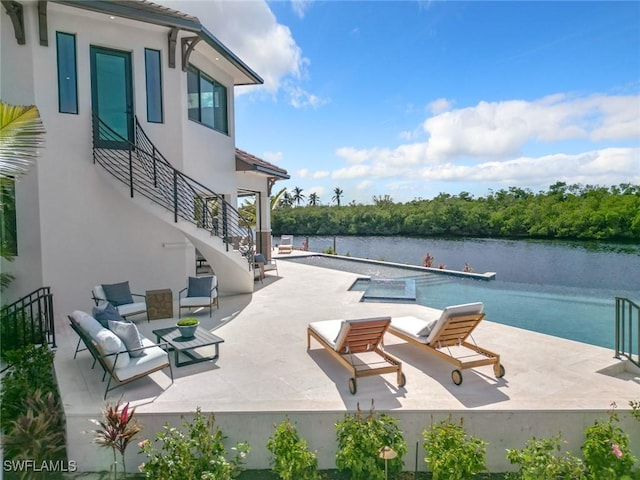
581,314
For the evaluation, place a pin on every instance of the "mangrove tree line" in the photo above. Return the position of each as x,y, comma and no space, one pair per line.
563,211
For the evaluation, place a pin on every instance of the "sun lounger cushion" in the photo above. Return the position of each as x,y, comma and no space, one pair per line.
128,333
118,293
104,311
425,329
335,331
87,322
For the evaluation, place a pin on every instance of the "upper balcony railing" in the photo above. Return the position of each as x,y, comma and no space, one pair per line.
627,340
147,172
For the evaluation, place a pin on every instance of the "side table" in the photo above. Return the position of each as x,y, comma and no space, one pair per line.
159,303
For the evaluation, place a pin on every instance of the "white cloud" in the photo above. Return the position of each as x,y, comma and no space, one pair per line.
252,32
501,129
364,185
273,157
598,167
300,7
306,173
438,106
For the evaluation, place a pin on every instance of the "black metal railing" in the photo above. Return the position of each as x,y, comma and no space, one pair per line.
147,172
28,321
627,340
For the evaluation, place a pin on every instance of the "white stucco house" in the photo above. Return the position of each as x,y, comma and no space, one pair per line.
140,165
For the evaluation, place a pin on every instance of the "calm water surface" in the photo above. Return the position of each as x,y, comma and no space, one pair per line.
559,288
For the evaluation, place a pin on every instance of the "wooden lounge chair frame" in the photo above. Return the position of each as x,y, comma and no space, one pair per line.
363,335
456,332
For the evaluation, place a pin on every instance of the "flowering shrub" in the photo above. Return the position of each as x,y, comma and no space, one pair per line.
539,460
450,454
197,452
606,450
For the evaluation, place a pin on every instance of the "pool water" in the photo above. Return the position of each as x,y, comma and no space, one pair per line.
584,315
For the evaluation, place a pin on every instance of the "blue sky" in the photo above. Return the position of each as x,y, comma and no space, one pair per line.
413,98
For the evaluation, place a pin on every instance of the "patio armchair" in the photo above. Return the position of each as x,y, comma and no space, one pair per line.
200,292
264,266
119,295
357,345
446,336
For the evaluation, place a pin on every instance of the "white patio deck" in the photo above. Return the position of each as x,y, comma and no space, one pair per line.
265,372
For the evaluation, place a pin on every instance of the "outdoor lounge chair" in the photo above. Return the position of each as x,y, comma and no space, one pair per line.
357,345
446,337
200,292
286,244
120,296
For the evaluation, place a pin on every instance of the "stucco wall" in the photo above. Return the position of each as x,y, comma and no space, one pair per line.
80,231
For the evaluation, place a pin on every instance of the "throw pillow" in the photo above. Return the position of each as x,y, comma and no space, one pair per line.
259,258
199,287
427,328
118,293
104,311
128,333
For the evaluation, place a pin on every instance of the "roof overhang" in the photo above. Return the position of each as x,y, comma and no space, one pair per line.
245,162
152,13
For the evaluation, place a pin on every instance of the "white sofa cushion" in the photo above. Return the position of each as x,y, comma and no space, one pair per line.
154,357
195,301
109,343
87,322
131,308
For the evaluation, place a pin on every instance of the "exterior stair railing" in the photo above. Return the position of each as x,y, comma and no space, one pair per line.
627,331
28,321
147,172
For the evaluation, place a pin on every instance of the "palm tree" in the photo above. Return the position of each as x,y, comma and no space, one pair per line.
21,134
337,195
297,195
286,201
314,199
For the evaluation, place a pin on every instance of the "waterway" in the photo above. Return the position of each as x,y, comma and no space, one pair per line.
565,289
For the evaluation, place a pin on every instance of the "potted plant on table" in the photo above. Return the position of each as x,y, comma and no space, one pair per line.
188,326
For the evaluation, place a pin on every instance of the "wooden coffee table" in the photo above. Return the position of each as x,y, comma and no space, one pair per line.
185,346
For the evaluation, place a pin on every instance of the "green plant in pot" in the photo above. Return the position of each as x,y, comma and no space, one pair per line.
188,326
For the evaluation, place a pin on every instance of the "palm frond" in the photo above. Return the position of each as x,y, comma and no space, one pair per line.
21,134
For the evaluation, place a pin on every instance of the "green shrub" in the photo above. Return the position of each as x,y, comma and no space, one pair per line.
32,371
292,459
198,452
38,434
538,461
360,439
606,450
451,455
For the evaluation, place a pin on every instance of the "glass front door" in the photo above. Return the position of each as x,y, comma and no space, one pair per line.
111,97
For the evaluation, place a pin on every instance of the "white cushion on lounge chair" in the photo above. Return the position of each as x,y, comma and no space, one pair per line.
328,330
412,326
87,322
464,309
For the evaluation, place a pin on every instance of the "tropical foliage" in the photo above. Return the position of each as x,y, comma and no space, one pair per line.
564,211
21,134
